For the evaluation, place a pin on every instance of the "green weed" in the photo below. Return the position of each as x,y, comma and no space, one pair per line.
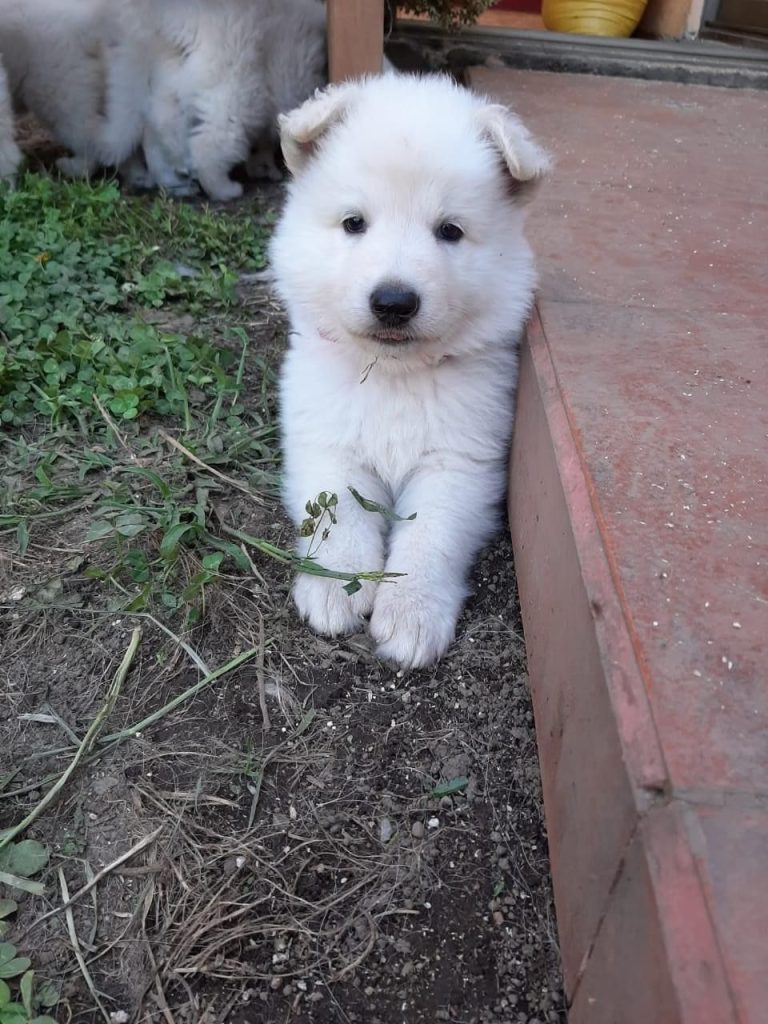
80,268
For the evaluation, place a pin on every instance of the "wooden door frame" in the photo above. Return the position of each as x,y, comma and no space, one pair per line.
355,38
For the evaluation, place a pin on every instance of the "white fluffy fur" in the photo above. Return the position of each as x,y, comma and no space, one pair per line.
53,52
10,155
197,83
422,425
206,81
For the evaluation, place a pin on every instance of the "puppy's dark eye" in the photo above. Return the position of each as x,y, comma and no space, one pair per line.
354,225
448,232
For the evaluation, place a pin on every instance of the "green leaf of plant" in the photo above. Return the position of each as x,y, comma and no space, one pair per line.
13,968
352,587
25,988
24,858
15,882
451,787
13,1013
7,952
170,542
45,1019
374,506
22,537
130,529
5,995
99,529
231,550
47,994
8,907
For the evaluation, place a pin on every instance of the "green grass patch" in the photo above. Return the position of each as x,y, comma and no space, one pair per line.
119,316
80,268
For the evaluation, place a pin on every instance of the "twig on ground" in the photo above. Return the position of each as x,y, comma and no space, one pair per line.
266,724
128,855
131,730
85,746
76,947
209,469
110,423
190,651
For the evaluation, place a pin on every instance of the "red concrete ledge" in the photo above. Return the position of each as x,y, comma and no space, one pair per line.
639,516
636,938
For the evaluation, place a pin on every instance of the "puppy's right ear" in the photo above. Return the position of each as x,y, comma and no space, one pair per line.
302,129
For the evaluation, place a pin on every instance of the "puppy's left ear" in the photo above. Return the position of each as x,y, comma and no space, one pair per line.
526,162
302,129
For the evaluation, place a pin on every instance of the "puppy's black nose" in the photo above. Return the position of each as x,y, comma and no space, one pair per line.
394,304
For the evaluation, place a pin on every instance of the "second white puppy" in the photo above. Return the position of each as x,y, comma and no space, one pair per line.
401,257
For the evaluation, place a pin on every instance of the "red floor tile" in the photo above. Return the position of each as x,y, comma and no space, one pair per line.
639,513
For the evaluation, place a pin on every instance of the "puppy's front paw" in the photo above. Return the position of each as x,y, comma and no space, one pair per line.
328,608
74,166
412,629
223,190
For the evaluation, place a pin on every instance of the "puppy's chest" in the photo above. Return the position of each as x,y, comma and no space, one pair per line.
393,425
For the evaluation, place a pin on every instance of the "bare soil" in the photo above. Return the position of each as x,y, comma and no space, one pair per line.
306,864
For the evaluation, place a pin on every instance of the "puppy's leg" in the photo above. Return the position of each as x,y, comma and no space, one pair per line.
127,69
77,166
135,174
165,139
10,154
355,543
214,153
161,169
219,139
414,617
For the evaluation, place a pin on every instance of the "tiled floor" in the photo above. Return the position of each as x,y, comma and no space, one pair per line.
639,510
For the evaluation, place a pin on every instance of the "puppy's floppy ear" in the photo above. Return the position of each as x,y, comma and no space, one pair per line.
302,128
526,162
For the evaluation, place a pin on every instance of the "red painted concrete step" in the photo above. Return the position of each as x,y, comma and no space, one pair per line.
639,514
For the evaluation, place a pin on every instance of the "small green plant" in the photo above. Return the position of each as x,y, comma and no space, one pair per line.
21,999
19,861
24,1005
321,516
80,265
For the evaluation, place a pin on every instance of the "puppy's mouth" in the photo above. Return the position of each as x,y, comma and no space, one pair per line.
392,336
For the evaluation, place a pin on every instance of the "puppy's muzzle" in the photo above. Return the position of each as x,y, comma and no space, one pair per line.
394,305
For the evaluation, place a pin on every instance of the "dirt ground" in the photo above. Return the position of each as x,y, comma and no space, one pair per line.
325,839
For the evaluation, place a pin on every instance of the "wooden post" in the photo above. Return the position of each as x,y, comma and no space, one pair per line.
355,37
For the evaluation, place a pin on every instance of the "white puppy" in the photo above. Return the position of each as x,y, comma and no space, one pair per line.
401,258
53,52
215,75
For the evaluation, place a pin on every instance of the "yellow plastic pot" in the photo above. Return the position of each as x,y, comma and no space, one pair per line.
593,17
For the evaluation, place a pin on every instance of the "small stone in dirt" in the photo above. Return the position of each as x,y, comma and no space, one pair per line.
417,830
118,1017
433,823
276,983
498,918
385,830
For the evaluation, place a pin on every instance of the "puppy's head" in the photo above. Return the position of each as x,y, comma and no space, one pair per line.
402,232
